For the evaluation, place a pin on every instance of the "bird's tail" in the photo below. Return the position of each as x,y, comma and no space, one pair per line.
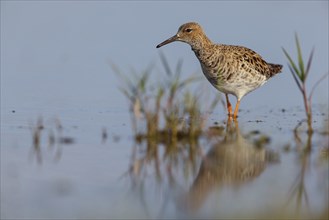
275,68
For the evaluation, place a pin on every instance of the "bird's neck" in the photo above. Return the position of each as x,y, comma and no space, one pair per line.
200,45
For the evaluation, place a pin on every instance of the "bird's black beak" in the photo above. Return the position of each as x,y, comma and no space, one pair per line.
172,39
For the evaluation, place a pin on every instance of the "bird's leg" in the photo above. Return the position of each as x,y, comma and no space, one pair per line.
229,106
235,115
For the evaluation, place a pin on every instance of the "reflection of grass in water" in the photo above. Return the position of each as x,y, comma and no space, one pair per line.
54,139
298,194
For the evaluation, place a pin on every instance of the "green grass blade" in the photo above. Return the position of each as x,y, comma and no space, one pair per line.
188,81
165,64
127,81
300,59
309,63
126,93
215,102
158,99
179,67
143,81
295,78
172,91
115,68
291,63
317,84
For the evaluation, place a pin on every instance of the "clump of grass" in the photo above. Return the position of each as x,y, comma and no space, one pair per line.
166,102
300,74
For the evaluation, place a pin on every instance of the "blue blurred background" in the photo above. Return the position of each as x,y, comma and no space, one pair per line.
57,53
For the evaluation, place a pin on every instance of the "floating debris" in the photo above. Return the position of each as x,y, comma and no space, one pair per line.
66,140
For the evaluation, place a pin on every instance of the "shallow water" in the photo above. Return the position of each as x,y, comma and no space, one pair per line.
99,171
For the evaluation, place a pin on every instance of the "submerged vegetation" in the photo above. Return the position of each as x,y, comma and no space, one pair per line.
55,140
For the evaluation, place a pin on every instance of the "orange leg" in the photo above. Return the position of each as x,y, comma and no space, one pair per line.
229,106
235,115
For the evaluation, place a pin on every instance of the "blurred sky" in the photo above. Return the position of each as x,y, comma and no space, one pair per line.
57,53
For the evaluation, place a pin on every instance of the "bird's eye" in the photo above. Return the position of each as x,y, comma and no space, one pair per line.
188,30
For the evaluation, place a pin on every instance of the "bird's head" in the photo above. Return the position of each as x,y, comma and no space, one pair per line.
190,33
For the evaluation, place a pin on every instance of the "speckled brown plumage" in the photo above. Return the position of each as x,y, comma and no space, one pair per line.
235,70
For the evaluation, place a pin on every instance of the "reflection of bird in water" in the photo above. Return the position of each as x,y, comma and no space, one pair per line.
231,162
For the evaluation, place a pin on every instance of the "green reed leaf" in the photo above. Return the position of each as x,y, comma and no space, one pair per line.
300,59
309,63
292,64
297,80
165,64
